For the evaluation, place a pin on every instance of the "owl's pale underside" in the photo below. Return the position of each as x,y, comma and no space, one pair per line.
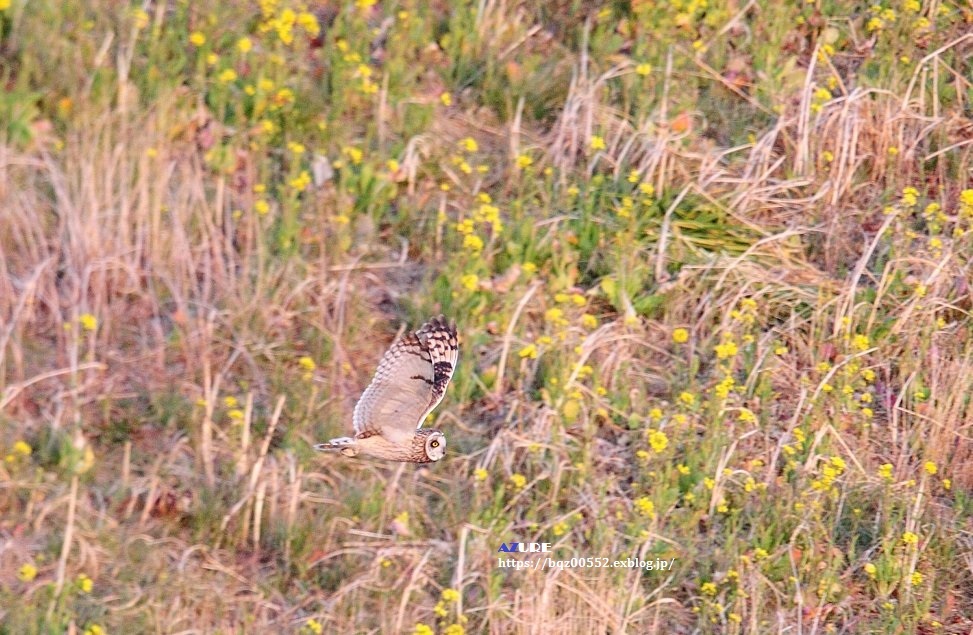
410,382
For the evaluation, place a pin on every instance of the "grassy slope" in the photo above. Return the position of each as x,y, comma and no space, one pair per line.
711,268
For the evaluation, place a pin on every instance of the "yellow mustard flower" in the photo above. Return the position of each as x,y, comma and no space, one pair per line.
27,572
85,584
658,440
88,321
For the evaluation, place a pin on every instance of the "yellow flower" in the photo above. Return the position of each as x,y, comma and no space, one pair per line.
708,588
235,414
555,316
244,45
643,69
524,161
726,349
261,207
22,448
518,480
528,352
27,572
645,507
917,578
947,484
723,388
454,629
296,147
307,363
422,629
355,155
870,570
966,198
88,322
658,440
94,629
85,583
571,410
470,281
480,474
687,398
309,22
910,538
910,196
822,94
680,336
314,626
140,17
283,97
446,99
368,87
469,144
860,342
473,243
227,75
589,321
197,39
885,471
930,467
267,127
597,143
301,181
450,595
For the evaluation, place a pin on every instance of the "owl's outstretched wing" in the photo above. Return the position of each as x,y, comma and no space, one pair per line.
410,382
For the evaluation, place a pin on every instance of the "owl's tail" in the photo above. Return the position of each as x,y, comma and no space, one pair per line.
341,444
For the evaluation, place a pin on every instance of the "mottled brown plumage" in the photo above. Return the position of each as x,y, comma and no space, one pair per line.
410,382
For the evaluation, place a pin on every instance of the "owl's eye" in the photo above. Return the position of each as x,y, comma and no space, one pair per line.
435,444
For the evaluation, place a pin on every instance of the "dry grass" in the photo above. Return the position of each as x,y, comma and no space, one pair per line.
711,269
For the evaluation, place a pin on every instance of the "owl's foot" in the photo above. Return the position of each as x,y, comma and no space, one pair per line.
345,445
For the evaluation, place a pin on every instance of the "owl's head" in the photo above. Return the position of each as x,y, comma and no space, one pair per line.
435,447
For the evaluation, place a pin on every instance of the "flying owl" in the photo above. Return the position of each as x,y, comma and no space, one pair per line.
410,382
